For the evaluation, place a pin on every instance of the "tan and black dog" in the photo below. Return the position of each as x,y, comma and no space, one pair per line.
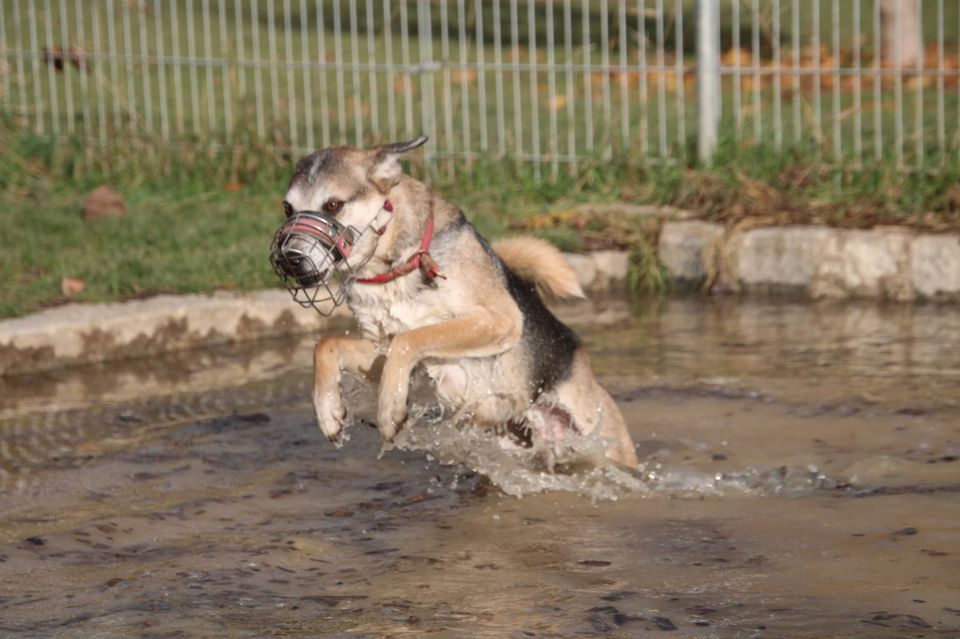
432,297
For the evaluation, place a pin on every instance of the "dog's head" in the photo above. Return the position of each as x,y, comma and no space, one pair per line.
337,207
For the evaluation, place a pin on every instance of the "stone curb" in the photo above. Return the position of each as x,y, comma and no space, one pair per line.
85,333
895,264
889,263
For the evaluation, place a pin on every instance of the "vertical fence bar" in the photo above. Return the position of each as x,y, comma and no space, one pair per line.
272,62
858,85
22,120
877,84
101,103
84,84
757,79
338,66
35,64
291,83
797,83
145,74
837,126
194,78
661,81
553,105
128,66
428,104
52,74
372,69
515,56
681,89
622,76
708,78
357,96
447,90
208,67
407,80
4,72
258,68
240,48
644,89
777,80
737,73
68,69
568,84
605,78
481,72
162,72
898,89
225,73
918,94
817,77
391,76
941,127
112,51
498,64
322,69
307,76
534,98
464,83
587,79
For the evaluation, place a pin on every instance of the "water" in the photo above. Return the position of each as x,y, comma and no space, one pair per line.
800,478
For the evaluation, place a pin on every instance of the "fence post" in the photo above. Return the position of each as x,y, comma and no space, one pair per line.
709,99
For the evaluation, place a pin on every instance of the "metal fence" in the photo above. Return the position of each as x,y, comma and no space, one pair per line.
550,82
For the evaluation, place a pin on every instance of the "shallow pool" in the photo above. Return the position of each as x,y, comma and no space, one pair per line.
800,479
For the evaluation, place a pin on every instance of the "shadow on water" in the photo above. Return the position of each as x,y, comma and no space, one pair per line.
800,479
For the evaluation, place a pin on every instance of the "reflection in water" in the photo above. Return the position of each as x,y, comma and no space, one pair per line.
800,479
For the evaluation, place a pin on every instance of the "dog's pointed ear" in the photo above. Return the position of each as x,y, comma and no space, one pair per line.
385,169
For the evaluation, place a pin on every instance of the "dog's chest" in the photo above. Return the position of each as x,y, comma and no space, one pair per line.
392,310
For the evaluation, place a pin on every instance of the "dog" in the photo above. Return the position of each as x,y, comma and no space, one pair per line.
433,297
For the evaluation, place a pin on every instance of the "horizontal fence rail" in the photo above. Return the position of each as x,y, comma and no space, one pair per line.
552,83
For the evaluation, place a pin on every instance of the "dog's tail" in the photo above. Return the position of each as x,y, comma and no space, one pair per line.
540,263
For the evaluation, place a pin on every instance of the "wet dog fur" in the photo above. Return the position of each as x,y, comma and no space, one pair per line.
482,335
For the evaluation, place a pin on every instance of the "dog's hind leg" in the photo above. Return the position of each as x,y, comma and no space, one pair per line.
331,356
594,411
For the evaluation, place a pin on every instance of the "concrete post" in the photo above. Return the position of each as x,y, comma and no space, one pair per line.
709,100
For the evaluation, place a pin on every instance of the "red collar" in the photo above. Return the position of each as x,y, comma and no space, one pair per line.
419,260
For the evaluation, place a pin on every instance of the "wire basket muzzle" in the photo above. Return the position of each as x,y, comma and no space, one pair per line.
309,254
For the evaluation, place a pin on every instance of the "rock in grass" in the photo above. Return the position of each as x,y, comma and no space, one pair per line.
71,286
103,202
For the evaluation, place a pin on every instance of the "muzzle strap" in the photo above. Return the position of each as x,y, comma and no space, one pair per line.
419,260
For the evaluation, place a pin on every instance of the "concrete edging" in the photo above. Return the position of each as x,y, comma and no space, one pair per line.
889,263
895,264
86,333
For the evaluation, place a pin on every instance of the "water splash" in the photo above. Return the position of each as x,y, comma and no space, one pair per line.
581,467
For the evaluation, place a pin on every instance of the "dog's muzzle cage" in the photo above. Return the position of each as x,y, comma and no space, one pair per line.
309,253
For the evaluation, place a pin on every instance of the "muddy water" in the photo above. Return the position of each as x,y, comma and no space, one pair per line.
800,479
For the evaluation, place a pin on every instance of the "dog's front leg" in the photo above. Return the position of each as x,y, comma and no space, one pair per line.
476,335
332,355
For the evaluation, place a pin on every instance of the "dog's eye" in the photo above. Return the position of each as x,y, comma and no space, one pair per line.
287,208
332,206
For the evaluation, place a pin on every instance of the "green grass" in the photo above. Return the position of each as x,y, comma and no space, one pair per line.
188,230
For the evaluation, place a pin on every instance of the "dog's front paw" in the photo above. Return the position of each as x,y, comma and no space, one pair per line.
391,413
331,415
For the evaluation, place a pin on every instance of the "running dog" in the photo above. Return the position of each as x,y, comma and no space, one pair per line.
431,296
